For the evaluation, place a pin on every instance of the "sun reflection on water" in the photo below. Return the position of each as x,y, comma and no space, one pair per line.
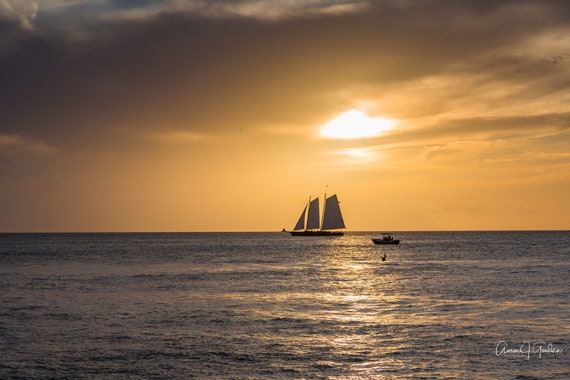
358,303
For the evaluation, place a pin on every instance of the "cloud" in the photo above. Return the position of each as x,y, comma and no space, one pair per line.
177,137
16,145
21,11
204,68
79,16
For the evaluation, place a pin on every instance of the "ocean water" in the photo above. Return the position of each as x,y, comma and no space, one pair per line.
444,305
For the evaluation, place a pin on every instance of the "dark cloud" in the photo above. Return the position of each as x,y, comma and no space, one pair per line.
185,72
490,127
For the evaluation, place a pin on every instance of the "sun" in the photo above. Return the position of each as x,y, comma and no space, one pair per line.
355,124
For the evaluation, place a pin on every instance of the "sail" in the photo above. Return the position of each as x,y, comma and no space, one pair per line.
313,218
333,218
301,222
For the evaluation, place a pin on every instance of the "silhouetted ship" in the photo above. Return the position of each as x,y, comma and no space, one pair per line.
312,224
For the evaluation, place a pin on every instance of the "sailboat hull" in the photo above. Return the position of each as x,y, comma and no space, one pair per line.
316,233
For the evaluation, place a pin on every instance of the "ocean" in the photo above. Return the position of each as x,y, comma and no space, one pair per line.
444,305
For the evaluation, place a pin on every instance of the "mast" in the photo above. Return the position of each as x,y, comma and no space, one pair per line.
324,207
307,210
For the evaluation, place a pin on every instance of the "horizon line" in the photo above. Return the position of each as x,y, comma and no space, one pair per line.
272,231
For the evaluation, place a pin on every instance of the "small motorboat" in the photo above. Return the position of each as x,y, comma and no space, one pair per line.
386,239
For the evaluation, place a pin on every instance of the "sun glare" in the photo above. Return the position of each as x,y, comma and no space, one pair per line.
355,124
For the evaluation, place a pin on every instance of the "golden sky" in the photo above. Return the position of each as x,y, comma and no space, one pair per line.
227,115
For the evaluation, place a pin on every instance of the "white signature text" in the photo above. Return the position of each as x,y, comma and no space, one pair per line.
526,349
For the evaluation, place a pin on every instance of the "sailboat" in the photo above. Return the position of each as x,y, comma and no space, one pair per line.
311,224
